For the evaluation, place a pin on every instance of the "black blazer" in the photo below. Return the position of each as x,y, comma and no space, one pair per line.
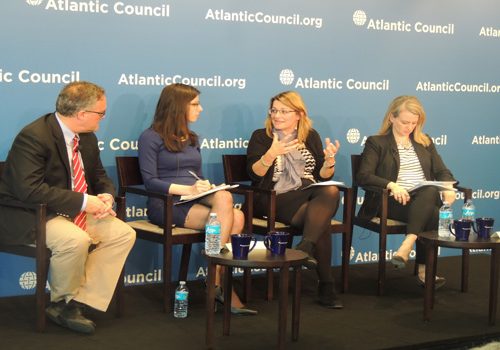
380,165
37,170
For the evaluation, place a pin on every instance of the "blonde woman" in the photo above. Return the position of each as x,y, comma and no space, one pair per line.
287,156
398,158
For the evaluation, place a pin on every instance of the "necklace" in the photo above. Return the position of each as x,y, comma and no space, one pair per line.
406,144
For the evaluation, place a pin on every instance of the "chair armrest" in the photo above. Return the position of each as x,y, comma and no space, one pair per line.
143,192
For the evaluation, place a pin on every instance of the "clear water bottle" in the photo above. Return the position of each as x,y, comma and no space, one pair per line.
445,219
212,235
468,210
181,300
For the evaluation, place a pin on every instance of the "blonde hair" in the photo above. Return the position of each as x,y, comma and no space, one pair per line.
293,100
412,105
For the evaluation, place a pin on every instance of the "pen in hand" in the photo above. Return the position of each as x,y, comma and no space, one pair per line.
192,173
195,176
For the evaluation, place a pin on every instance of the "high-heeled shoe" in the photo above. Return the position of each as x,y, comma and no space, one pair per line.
327,296
219,297
398,261
438,283
308,247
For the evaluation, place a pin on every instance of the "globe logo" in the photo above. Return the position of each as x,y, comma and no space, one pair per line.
359,17
34,2
353,135
28,280
353,252
286,77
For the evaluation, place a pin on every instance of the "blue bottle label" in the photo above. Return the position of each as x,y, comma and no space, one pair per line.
181,295
444,215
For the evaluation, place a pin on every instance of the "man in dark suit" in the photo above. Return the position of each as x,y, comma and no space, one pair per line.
55,160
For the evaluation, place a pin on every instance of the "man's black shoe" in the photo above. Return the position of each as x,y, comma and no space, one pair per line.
70,316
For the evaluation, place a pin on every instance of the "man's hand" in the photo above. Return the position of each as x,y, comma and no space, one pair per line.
100,206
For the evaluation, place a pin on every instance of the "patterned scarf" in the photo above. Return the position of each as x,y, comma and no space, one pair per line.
292,166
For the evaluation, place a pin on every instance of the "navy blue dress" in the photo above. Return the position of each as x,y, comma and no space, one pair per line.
160,168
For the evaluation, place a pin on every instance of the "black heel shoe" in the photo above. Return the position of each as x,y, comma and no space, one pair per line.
327,296
219,298
308,247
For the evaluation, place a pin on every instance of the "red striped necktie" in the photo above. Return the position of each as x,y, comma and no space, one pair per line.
79,183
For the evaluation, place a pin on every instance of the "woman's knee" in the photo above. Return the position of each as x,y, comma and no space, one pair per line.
332,192
223,198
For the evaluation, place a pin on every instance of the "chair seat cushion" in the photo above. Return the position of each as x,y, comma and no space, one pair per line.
390,222
263,223
145,225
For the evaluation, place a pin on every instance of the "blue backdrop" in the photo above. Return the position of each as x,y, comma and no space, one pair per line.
348,59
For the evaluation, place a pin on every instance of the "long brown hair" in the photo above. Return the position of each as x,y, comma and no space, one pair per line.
293,100
412,105
170,119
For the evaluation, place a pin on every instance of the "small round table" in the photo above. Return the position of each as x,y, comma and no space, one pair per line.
432,241
258,258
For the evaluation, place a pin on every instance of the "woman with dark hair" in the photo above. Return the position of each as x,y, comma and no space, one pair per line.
287,156
398,158
168,152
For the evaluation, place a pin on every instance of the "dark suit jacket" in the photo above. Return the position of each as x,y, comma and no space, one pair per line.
380,165
37,170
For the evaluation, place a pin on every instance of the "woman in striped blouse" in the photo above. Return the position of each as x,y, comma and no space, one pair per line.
398,158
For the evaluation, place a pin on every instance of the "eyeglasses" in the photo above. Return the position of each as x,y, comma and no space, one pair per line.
282,111
101,114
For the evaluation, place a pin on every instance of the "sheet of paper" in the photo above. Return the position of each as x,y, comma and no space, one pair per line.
441,185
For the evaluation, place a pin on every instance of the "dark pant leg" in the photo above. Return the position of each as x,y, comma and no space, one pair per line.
421,214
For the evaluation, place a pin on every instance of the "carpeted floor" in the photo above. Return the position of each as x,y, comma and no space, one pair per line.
393,321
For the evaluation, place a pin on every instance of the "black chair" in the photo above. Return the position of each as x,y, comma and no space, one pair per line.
235,172
385,226
42,255
130,182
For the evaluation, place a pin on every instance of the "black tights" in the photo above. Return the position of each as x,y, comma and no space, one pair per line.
314,218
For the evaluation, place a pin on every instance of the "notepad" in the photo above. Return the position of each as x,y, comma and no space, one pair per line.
325,183
191,197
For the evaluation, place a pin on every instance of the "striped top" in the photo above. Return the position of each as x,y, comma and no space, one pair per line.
410,170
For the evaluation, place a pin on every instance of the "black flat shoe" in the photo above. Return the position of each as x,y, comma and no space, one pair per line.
240,311
440,281
327,296
308,247
70,316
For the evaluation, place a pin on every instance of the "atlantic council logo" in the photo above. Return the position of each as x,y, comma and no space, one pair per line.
359,17
34,2
27,280
286,77
353,253
353,135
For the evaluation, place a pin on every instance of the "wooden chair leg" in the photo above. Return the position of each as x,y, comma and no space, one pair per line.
42,268
381,263
119,299
184,266
346,252
167,279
